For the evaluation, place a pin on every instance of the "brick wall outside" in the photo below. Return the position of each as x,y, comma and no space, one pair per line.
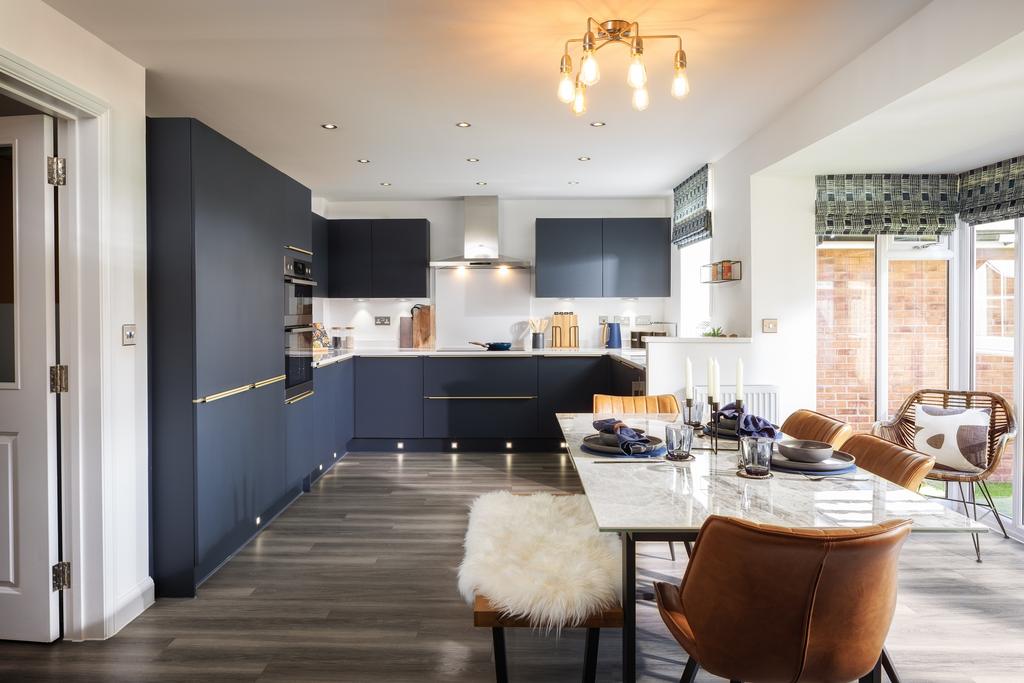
994,372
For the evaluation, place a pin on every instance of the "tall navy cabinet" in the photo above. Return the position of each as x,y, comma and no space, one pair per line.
219,219
320,256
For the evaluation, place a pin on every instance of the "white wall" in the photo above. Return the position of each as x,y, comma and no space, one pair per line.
517,217
115,584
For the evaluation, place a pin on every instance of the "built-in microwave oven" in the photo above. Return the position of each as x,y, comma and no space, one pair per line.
298,326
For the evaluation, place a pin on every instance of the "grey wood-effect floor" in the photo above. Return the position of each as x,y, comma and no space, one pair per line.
356,582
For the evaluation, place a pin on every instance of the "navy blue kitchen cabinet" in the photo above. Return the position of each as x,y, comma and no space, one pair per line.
383,259
636,257
568,385
350,259
326,384
492,397
302,444
569,257
344,414
320,257
218,221
401,258
627,379
389,398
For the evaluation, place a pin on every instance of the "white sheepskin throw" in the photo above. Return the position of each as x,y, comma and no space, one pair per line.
540,557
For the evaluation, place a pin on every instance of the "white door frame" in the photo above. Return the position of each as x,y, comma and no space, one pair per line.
85,210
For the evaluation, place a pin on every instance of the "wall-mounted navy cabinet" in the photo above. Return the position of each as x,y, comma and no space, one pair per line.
602,257
568,385
219,219
389,398
379,258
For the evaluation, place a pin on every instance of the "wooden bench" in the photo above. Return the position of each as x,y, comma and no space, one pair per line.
485,615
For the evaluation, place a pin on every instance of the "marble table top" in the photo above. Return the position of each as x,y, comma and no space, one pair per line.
662,496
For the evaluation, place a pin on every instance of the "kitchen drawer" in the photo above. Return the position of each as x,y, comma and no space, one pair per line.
479,418
512,377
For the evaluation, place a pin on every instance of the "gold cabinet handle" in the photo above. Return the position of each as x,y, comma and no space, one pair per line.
295,399
268,382
480,398
307,252
238,390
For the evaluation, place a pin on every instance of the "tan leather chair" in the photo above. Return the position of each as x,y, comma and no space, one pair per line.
768,603
811,426
635,405
890,461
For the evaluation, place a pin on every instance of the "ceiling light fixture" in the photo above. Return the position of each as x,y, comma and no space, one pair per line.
582,158
463,124
472,160
385,184
329,126
362,161
573,91
481,183
574,182
597,124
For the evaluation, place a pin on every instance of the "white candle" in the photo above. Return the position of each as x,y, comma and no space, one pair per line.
718,381
689,379
739,379
711,378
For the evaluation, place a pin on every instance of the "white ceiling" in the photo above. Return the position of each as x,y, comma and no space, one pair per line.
396,75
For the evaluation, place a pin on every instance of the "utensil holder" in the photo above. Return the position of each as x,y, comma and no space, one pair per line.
538,340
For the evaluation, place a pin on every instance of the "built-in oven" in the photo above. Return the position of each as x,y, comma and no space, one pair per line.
298,327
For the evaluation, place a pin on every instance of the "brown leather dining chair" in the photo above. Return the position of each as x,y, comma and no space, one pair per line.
762,603
890,461
639,405
812,426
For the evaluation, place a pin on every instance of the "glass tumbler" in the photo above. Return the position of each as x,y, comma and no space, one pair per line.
678,441
757,455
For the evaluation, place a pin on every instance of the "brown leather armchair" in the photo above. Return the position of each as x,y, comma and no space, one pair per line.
811,426
767,603
890,461
635,405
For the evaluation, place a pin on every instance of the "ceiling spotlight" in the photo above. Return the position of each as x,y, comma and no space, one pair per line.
574,182
583,158
472,160
463,124
385,184
597,124
329,126
362,161
481,183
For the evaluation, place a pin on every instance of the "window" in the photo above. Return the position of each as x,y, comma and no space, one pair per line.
695,299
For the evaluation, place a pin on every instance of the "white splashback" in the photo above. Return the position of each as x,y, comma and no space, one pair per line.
486,305
360,314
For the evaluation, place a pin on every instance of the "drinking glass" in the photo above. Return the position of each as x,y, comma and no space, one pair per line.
695,414
678,441
756,455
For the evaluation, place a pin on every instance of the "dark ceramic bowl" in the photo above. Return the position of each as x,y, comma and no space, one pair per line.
805,451
613,439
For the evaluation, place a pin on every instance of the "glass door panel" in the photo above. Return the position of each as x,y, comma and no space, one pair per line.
846,330
8,331
995,291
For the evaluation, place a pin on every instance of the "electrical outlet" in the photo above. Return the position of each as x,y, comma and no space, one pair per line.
602,319
382,320
643,320
622,319
128,335
770,325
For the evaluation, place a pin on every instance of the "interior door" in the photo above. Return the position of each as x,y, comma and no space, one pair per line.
29,608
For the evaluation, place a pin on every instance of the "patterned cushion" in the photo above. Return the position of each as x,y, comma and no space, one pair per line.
956,437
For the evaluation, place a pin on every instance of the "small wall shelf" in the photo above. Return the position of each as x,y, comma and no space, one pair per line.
721,271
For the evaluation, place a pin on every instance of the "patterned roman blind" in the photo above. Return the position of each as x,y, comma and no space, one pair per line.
691,217
885,203
992,193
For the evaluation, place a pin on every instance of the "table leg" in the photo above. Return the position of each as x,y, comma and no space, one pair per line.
628,608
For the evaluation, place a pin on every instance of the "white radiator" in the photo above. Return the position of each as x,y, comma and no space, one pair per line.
761,400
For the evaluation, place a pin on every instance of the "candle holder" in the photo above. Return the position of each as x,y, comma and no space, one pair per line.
716,416
688,417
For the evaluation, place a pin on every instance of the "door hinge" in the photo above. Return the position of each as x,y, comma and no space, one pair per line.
58,379
61,576
56,171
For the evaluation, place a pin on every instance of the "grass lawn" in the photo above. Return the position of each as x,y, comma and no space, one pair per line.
1002,494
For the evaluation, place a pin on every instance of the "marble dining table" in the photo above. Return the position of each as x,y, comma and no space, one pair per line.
644,499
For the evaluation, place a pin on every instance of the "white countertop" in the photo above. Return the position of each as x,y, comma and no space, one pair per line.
662,496
635,357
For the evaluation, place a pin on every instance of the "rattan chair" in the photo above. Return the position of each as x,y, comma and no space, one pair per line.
1002,427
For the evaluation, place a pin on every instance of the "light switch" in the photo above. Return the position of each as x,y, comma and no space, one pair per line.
128,335
770,325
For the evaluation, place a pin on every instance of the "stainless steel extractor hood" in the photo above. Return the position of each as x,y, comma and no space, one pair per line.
481,232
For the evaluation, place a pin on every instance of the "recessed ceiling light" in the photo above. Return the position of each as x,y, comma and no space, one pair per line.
463,124
583,158
472,160
597,124
385,184
329,126
362,161
481,183
574,182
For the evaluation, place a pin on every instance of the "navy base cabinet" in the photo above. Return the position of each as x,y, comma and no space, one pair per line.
568,385
627,379
389,398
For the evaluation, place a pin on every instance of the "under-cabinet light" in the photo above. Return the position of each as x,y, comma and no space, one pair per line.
321,467
401,445
561,445
455,445
508,444
258,519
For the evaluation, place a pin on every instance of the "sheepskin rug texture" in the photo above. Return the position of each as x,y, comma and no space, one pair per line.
540,557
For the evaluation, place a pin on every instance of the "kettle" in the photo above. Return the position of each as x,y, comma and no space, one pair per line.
613,336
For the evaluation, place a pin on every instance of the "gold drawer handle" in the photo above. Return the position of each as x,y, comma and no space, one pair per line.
480,398
238,390
300,397
307,252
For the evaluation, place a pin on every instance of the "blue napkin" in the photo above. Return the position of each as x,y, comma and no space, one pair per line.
658,452
815,473
629,439
750,425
